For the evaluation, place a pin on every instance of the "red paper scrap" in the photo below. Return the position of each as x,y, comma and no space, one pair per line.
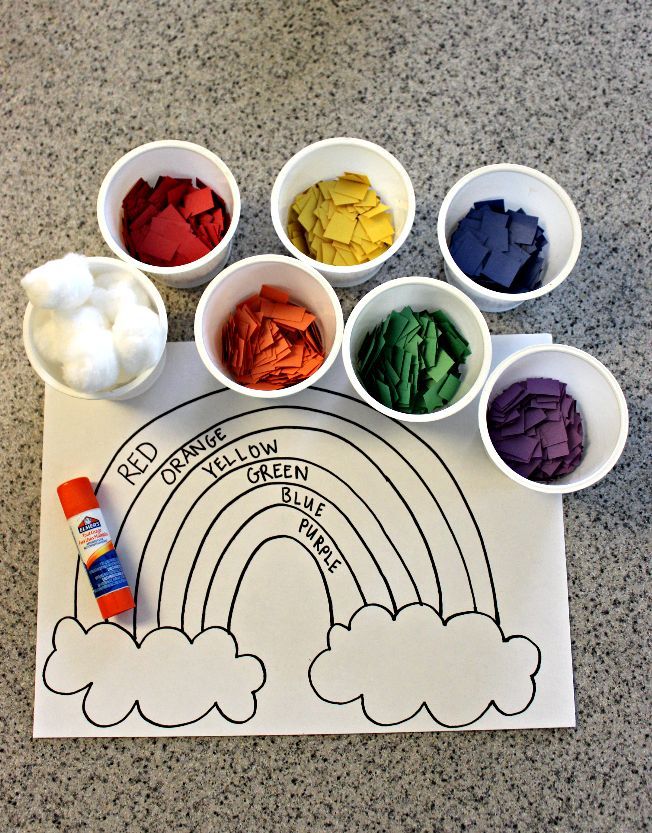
196,202
173,223
158,246
270,343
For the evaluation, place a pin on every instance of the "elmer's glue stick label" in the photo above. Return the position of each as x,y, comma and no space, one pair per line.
95,547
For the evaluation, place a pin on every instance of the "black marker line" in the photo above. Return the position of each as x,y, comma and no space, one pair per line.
150,422
365,405
357,402
246,567
235,535
247,492
214,451
119,450
278,429
459,490
136,704
424,705
292,484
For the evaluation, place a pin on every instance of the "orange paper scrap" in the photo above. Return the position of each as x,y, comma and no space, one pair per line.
270,343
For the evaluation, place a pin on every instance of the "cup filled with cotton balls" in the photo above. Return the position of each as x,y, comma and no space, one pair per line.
94,327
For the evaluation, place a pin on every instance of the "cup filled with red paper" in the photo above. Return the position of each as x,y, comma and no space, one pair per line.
343,206
553,418
268,326
171,209
508,234
416,349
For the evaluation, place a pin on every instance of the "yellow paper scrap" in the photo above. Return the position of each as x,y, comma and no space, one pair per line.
376,227
307,216
377,209
340,227
352,189
325,187
357,178
341,222
342,199
327,252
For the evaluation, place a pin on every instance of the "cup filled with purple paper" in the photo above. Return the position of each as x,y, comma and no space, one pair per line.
553,418
508,234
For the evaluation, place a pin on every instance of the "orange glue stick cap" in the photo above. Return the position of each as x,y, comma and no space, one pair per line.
77,496
116,602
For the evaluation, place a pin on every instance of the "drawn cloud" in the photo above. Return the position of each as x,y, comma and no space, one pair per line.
398,664
171,679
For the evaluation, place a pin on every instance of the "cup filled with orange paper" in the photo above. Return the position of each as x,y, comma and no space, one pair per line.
268,326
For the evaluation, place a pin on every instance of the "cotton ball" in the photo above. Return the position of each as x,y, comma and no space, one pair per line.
54,329
111,300
113,290
91,363
83,322
83,318
105,280
138,338
109,279
59,284
47,338
123,377
142,297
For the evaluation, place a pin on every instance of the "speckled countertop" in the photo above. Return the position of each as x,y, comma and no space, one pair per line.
560,86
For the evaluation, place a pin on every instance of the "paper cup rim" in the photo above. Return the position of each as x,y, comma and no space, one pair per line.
225,380
122,391
360,268
554,488
432,283
168,271
492,294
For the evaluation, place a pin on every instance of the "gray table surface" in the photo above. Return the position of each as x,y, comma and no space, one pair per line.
560,86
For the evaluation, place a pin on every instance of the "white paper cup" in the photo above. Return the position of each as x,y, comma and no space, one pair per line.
420,293
536,194
244,278
600,402
51,372
178,159
329,159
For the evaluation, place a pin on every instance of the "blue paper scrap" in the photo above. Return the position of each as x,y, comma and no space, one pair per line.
498,248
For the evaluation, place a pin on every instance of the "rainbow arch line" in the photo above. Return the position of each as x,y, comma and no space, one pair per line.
324,497
334,416
248,559
336,436
265,486
277,429
251,558
234,470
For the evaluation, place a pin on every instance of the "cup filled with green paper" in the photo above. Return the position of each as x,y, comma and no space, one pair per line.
416,349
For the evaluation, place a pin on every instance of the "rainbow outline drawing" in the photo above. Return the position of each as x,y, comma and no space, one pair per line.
377,570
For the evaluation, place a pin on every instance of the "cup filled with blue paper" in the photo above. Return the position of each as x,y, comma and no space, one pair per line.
553,418
416,349
508,234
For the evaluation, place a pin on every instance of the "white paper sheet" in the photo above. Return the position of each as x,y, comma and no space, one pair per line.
304,566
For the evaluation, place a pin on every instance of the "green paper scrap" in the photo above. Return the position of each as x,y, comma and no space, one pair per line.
411,361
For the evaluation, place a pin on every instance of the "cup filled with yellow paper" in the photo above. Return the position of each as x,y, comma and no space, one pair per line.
343,206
